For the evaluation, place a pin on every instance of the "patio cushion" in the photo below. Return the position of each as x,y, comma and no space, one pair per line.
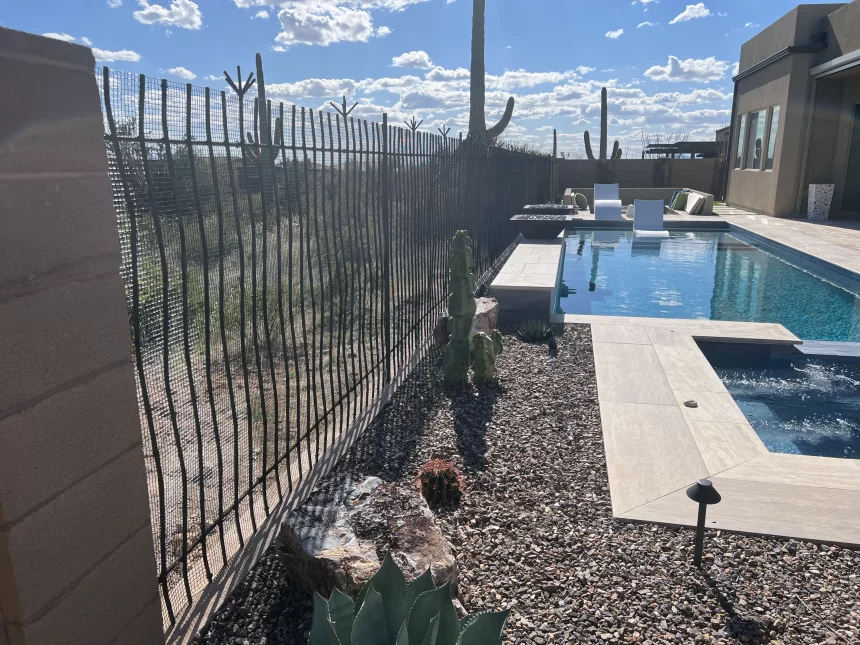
581,201
679,202
694,203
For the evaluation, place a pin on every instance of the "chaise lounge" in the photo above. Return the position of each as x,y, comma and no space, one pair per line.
607,204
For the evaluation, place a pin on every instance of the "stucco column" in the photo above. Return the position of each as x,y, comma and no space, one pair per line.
76,550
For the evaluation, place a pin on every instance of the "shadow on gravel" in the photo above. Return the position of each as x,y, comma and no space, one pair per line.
736,625
472,407
388,445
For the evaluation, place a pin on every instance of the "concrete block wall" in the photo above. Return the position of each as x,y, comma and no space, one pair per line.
697,174
76,553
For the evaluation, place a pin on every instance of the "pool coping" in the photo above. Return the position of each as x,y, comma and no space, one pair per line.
656,446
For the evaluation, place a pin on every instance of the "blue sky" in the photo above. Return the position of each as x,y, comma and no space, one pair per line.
667,63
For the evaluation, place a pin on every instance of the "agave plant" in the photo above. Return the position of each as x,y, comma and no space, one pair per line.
534,331
388,611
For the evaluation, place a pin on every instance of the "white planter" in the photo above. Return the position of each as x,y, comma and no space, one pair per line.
820,196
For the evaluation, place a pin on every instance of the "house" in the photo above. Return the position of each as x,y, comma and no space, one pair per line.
796,113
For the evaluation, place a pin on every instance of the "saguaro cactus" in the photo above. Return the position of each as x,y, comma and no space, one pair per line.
605,167
553,185
478,130
487,348
461,308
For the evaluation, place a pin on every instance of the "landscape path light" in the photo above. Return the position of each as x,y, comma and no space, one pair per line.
705,494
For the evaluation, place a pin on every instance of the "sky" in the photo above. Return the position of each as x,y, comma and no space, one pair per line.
667,64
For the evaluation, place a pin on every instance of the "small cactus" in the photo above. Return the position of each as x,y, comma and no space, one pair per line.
605,167
440,483
534,331
461,309
487,348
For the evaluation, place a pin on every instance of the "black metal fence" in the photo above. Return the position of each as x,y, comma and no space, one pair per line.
274,288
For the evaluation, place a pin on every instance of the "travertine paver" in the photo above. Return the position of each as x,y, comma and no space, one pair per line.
836,242
657,446
532,265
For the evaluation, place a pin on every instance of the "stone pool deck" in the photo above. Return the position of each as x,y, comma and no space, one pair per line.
656,446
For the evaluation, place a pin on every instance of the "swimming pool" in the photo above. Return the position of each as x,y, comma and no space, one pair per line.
712,275
806,407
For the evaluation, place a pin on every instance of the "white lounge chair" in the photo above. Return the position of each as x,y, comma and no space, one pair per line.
607,204
648,218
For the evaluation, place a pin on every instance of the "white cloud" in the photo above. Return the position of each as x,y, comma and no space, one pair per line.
114,4
415,59
262,15
314,88
124,55
698,70
736,68
512,79
181,72
614,34
63,37
213,77
647,24
382,31
101,55
181,13
323,25
584,69
692,11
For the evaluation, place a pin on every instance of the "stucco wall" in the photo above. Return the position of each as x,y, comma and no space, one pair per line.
76,551
756,189
794,28
843,31
641,173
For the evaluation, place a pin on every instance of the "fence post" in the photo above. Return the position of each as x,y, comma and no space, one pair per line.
386,254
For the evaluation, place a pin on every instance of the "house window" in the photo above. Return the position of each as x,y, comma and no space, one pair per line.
739,147
755,140
771,138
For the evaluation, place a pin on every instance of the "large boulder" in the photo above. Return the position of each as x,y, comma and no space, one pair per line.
341,542
486,316
486,320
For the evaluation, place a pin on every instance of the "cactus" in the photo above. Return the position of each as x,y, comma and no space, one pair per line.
487,348
388,610
461,309
478,130
534,331
413,124
553,185
440,482
605,167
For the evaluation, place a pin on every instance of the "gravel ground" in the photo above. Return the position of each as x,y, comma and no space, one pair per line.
535,532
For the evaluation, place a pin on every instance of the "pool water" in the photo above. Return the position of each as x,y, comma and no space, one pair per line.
806,407
704,274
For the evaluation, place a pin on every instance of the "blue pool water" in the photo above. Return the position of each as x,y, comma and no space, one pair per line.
807,407
708,274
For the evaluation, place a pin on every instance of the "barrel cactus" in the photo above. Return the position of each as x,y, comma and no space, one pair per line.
390,611
440,483
461,309
487,348
605,167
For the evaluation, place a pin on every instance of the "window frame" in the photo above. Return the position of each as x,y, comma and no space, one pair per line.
740,143
768,135
747,165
